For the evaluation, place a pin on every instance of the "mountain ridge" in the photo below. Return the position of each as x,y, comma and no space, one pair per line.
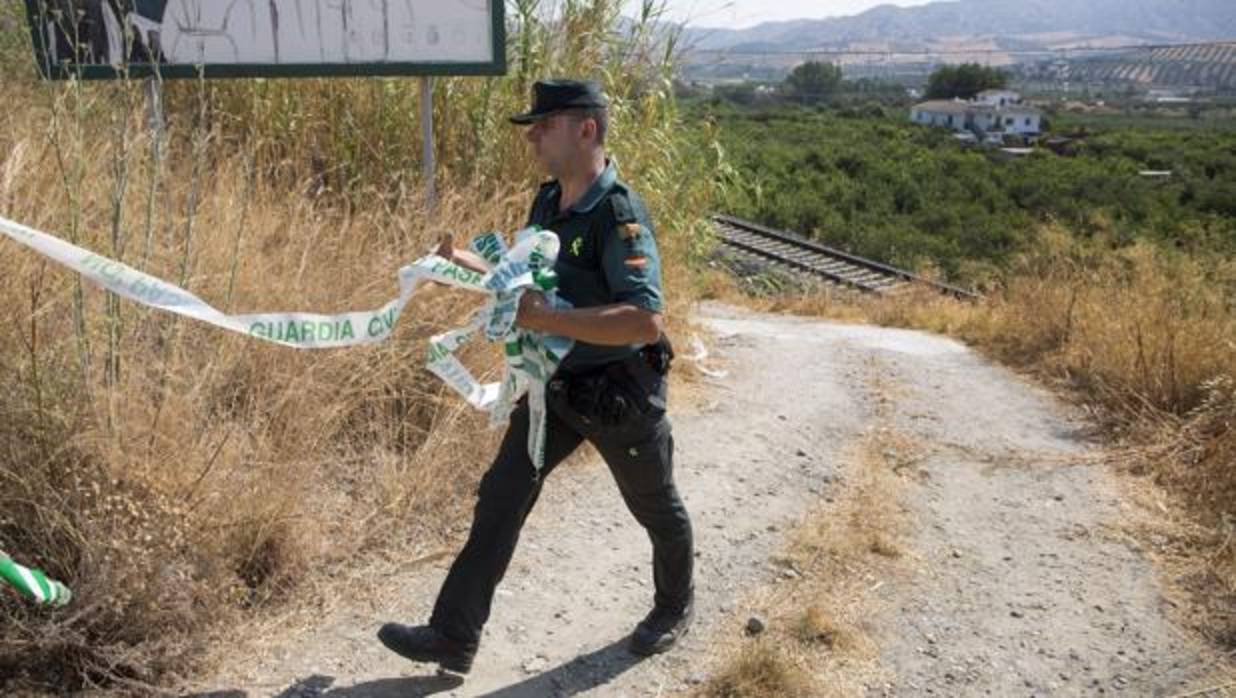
1141,20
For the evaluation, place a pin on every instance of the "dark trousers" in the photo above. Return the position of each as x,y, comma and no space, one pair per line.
640,456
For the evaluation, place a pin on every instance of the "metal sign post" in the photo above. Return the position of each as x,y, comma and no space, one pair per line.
154,109
427,159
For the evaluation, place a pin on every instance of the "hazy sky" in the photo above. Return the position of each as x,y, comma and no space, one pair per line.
736,14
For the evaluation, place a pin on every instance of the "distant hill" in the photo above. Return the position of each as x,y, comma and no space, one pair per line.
1205,67
1151,20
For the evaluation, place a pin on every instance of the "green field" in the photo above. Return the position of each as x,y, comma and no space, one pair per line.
1222,120
865,179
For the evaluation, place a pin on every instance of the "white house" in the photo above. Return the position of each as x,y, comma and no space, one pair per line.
983,117
1021,120
949,113
998,98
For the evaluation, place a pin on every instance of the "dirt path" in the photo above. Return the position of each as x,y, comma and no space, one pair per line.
1017,588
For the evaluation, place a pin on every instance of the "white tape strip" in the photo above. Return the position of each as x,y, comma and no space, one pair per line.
514,272
32,584
699,355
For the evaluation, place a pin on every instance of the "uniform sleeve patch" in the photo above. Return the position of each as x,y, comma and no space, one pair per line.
629,231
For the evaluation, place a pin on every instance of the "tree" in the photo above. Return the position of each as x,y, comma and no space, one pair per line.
813,80
964,81
741,93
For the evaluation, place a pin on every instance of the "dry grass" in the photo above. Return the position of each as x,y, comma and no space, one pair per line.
175,476
819,641
183,480
762,669
817,626
1142,337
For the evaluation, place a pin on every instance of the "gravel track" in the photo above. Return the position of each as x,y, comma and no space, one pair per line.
1018,587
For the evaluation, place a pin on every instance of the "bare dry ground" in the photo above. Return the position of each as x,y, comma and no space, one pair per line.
1012,573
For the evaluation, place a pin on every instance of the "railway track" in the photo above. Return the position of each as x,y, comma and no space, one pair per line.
760,243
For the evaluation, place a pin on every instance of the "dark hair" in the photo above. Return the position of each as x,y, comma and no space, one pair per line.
598,114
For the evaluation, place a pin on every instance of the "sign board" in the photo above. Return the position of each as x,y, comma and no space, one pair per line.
100,39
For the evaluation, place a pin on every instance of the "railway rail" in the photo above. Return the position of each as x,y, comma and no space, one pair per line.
796,253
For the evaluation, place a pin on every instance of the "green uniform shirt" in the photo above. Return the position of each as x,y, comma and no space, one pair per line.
608,255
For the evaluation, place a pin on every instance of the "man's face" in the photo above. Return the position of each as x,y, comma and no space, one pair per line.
556,141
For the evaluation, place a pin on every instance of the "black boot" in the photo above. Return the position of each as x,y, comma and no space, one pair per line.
422,643
660,629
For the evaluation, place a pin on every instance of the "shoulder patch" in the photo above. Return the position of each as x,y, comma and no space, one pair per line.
629,231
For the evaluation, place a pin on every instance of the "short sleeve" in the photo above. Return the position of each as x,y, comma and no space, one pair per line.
632,266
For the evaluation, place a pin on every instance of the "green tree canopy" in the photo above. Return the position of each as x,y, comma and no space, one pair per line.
814,80
964,81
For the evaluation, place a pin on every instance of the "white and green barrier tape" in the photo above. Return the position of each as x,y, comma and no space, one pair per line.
530,358
32,583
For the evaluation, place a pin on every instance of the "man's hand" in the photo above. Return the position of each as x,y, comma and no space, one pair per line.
533,311
464,258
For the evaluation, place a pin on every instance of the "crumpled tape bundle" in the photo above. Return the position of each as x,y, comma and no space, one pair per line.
33,584
530,357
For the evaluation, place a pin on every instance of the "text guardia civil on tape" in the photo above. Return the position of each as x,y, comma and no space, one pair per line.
530,358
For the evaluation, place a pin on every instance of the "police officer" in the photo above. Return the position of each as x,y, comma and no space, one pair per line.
609,390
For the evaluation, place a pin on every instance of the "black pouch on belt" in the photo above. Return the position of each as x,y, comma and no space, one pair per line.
585,393
659,355
641,378
600,396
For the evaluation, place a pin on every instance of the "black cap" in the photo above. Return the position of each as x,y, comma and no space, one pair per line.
550,96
